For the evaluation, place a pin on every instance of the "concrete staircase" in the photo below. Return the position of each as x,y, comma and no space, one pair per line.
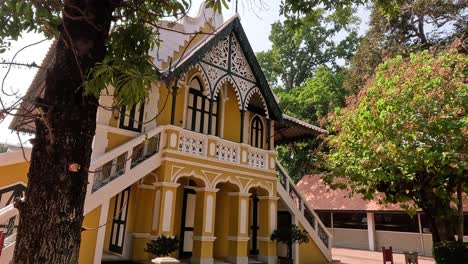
306,216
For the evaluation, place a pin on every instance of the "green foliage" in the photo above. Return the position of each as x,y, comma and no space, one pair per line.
297,50
290,235
163,246
450,252
127,65
318,96
406,135
310,102
413,26
3,148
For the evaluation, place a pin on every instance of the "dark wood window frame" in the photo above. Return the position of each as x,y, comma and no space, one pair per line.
256,132
201,106
132,125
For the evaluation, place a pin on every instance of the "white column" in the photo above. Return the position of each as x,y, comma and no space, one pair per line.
101,232
421,233
371,230
295,246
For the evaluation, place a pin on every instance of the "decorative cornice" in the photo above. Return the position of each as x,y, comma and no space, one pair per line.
166,184
206,189
239,239
204,238
239,194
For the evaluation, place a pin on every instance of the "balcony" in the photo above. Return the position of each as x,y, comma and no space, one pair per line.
125,158
217,149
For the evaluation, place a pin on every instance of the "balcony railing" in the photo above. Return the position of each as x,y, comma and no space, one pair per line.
118,161
215,148
301,205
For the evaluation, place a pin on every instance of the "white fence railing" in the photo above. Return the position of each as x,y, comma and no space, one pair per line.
295,197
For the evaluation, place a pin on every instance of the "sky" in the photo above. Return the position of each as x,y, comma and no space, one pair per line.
256,18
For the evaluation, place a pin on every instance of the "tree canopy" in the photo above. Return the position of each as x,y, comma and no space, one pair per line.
298,50
406,135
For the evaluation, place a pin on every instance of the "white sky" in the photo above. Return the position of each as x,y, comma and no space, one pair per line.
256,17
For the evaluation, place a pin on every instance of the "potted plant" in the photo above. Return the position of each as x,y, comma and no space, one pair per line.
290,235
162,247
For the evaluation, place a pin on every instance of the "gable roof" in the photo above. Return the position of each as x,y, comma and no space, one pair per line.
234,26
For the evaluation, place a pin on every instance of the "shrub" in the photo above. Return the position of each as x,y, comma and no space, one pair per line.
290,235
163,246
450,252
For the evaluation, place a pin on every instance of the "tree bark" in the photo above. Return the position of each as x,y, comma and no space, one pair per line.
52,213
460,230
436,209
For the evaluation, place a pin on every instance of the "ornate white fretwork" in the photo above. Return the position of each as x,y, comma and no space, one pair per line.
215,71
192,145
213,74
256,159
256,90
219,54
239,62
243,87
227,152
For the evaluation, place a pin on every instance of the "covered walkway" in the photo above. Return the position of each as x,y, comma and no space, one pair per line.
354,256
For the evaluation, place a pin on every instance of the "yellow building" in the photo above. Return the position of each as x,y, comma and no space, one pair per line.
195,160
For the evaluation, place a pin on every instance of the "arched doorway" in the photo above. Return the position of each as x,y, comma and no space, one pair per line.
254,218
186,210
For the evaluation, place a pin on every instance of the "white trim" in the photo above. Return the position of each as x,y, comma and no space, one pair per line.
264,239
116,130
209,214
272,218
239,194
241,239
146,186
166,184
204,238
205,189
237,172
243,216
167,213
101,232
156,209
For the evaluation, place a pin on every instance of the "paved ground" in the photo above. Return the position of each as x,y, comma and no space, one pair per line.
354,256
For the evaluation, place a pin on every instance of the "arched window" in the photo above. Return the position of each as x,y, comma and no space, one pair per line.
198,112
256,132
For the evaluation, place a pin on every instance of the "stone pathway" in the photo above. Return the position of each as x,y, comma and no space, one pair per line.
355,256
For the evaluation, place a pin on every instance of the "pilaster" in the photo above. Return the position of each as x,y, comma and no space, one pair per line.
268,223
164,224
238,229
203,233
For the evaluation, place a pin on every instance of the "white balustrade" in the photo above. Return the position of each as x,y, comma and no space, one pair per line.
192,143
227,151
257,159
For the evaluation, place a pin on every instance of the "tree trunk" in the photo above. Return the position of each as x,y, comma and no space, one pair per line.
460,212
52,212
436,209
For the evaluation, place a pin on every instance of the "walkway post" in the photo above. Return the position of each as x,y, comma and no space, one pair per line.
371,230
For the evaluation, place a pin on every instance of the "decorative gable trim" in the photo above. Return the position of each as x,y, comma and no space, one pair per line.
247,77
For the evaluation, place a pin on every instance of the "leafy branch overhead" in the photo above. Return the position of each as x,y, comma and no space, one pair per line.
127,66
